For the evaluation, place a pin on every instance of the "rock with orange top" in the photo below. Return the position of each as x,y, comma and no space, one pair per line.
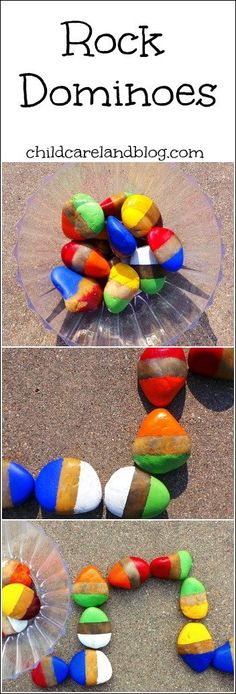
13,571
161,444
90,588
162,372
128,573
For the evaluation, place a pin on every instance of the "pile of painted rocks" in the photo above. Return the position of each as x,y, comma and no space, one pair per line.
117,248
91,667
70,486
20,602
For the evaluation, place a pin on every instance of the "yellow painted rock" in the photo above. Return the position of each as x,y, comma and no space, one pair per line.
122,285
19,601
139,214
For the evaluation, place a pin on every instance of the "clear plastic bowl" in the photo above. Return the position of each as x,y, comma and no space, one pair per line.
25,541
159,319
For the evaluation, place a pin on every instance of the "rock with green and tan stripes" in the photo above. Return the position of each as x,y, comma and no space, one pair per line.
161,443
94,628
90,588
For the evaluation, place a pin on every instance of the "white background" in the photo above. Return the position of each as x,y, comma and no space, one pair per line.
198,40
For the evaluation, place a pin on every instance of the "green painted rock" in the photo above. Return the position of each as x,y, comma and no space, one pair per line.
193,599
82,217
94,628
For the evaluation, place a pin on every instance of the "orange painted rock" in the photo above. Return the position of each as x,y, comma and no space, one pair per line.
162,372
214,362
90,588
128,573
161,443
84,259
15,572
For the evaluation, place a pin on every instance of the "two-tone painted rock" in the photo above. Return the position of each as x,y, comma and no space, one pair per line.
223,658
122,242
80,293
193,598
213,362
167,248
13,571
90,588
17,483
195,646
123,284
50,672
174,566
84,259
19,601
131,493
151,275
128,573
113,204
89,668
11,626
68,486
161,443
162,372
139,214
94,628
82,217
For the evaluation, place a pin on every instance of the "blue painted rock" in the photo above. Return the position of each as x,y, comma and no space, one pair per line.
131,493
80,294
50,672
68,486
195,646
94,628
89,668
167,248
11,626
223,658
122,242
151,274
17,483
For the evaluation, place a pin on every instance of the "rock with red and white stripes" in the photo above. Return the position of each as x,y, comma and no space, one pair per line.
128,573
162,372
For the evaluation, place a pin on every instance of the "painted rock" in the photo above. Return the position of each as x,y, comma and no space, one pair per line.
19,601
161,443
82,217
90,588
131,493
128,573
122,285
94,628
215,362
80,294
175,566
89,668
68,486
17,483
84,259
15,572
113,204
122,242
195,645
139,214
167,248
152,276
162,372
50,672
223,658
193,599
13,626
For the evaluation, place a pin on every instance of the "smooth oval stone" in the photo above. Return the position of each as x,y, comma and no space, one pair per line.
13,571
214,362
223,658
161,443
50,672
162,372
94,628
90,588
68,486
139,214
80,294
195,646
193,599
131,493
128,573
89,668
17,483
122,242
151,275
167,248
84,259
82,217
175,566
122,285
113,204
19,601
11,626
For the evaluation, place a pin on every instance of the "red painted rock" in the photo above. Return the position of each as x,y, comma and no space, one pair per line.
214,362
162,372
129,573
174,566
113,204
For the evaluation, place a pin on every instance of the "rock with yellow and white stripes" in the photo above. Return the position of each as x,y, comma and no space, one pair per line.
139,214
89,668
94,628
19,601
193,598
68,486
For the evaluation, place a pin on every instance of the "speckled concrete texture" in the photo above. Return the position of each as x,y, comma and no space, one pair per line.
22,327
146,622
86,403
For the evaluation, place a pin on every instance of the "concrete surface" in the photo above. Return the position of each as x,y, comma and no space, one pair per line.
22,327
145,623
86,403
